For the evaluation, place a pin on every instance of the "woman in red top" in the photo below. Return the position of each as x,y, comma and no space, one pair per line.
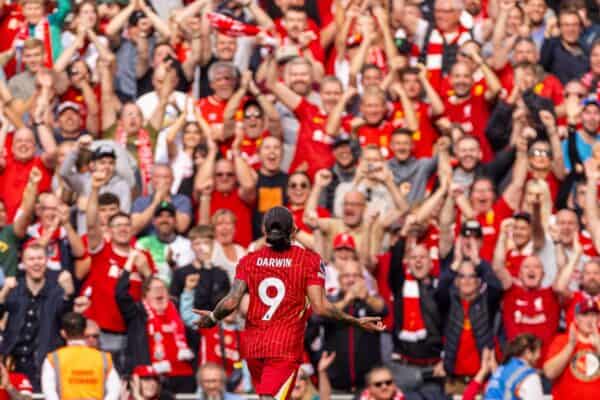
298,190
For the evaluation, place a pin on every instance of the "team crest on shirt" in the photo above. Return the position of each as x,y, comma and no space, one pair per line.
585,365
478,90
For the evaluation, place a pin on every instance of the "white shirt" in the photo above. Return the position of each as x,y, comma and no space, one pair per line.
112,389
219,259
531,388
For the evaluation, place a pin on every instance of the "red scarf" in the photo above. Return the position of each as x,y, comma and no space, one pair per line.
166,336
366,395
144,153
413,326
41,32
230,26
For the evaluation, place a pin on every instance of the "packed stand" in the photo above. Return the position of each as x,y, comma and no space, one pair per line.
442,156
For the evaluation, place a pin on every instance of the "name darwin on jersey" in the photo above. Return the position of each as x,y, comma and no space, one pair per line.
273,262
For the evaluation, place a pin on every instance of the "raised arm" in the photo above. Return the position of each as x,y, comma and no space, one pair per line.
94,230
359,58
60,65
410,116
561,284
284,94
437,105
513,192
109,102
447,221
164,94
381,15
499,260
246,177
172,133
591,200
260,16
120,20
558,162
555,366
269,110
234,104
27,207
162,27
322,180
493,83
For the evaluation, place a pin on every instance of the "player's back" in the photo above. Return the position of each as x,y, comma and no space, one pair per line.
277,283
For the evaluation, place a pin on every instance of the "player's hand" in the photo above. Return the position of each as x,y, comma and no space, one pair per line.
371,324
205,321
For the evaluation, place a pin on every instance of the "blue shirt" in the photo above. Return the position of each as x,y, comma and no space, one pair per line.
584,150
181,203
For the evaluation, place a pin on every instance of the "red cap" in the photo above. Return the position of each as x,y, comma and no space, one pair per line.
344,241
587,306
145,371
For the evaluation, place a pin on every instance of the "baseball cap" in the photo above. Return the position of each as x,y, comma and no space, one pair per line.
65,105
103,151
145,371
525,216
340,141
278,222
471,228
592,100
587,306
164,206
344,241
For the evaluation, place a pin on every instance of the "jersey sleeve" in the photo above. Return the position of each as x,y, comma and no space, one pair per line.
557,344
241,271
315,270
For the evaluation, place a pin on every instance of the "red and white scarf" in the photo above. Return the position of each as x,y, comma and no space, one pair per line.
366,395
159,328
41,32
435,51
413,325
231,27
144,153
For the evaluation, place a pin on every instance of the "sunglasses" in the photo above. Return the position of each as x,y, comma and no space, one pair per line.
295,185
224,174
539,153
382,383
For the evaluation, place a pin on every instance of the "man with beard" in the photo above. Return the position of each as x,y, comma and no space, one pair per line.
589,287
471,108
577,148
308,144
527,305
168,249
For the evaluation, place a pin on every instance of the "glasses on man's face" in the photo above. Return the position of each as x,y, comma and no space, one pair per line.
249,115
380,384
466,276
298,185
224,174
539,153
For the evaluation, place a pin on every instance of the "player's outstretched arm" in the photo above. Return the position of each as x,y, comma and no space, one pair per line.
323,308
226,306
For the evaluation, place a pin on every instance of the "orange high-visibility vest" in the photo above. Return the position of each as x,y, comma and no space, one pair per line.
81,372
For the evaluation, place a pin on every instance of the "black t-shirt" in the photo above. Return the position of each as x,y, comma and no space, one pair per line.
212,287
144,84
270,192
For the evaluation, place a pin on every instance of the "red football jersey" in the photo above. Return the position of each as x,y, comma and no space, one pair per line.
277,313
211,346
313,144
20,382
212,109
472,114
101,283
379,135
426,136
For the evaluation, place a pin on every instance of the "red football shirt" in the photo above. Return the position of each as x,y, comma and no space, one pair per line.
313,145
581,377
249,149
211,346
472,115
14,179
379,136
514,258
530,311
10,23
243,212
570,303
382,275
20,382
426,136
298,214
212,109
314,46
100,285
277,312
467,356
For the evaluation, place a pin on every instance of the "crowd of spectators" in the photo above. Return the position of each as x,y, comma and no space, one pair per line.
442,156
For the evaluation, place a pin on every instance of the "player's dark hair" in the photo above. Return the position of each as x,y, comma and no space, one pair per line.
279,226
